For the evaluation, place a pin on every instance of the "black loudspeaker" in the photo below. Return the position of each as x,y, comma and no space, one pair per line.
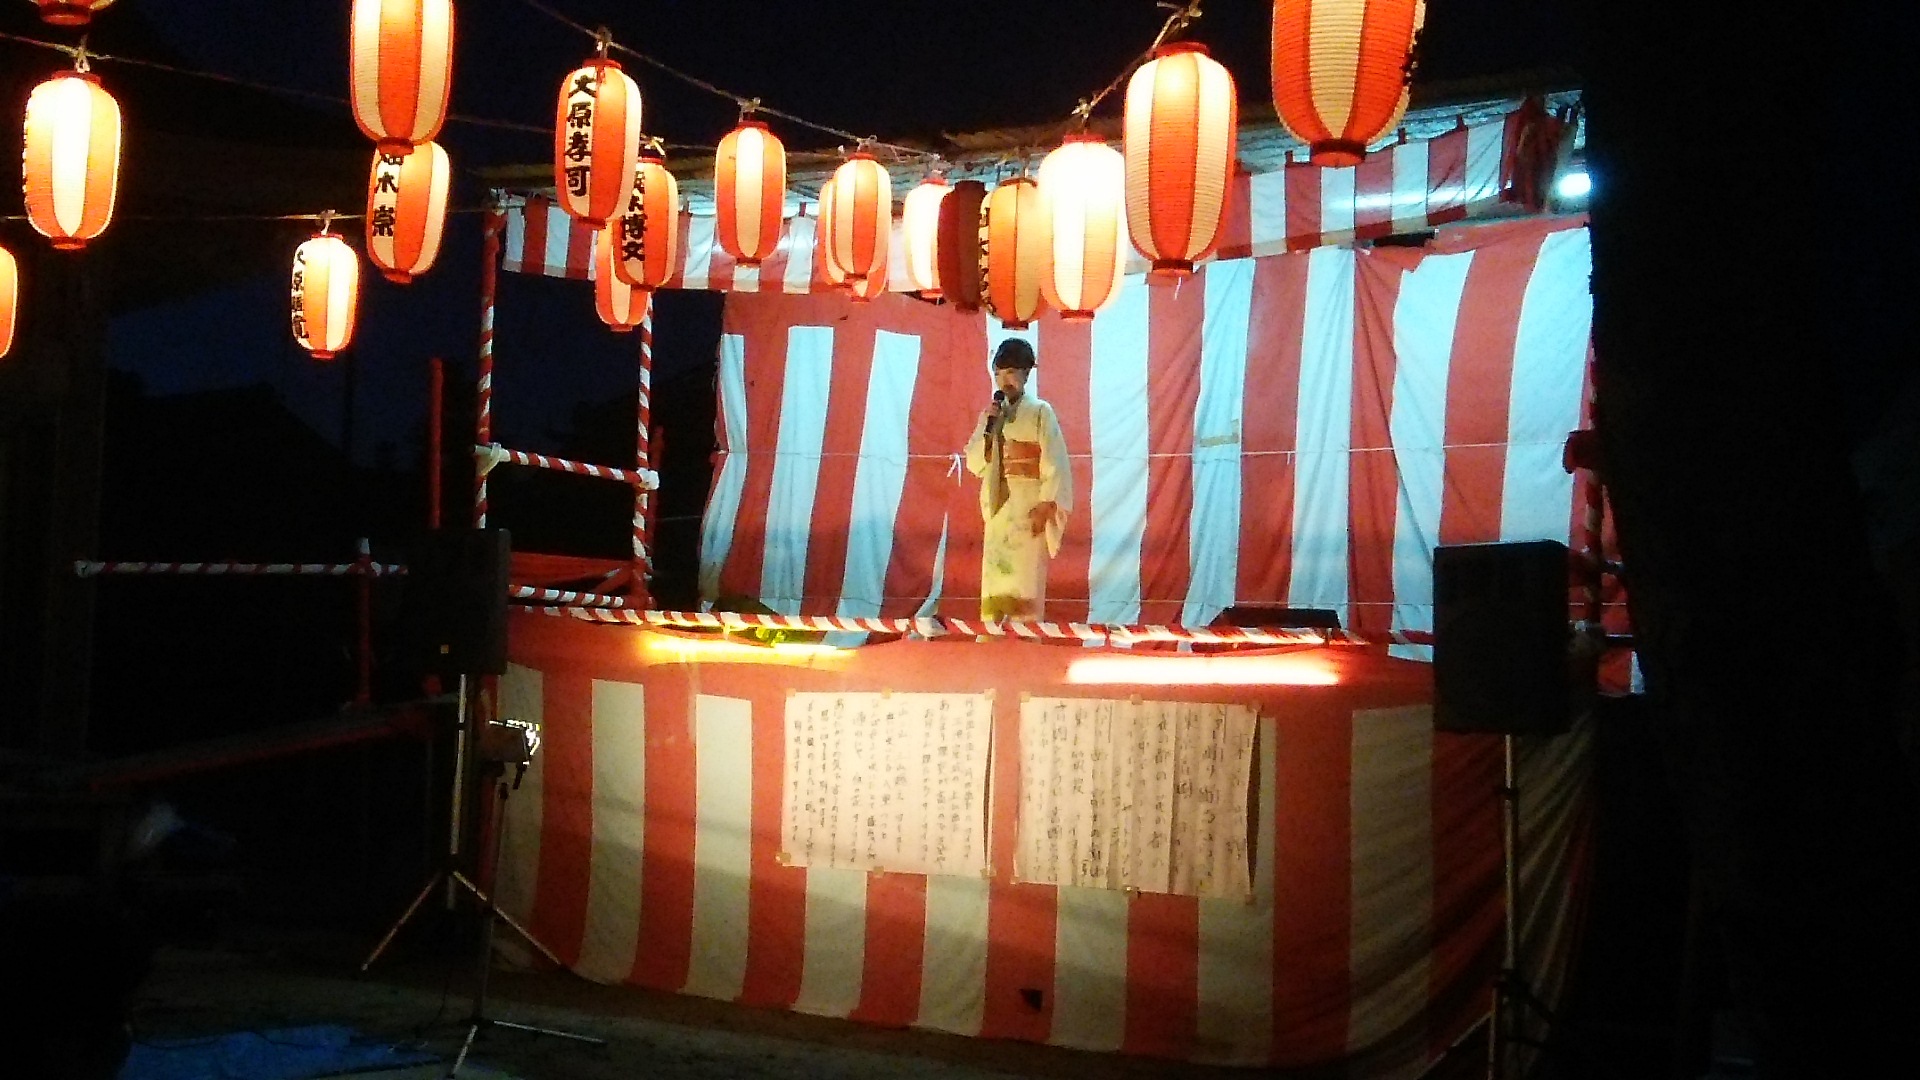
1500,638
456,602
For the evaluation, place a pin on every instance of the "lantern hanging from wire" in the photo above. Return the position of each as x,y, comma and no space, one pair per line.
1019,249
823,238
958,251
406,211
596,140
401,70
749,192
1083,185
874,283
9,299
72,159
647,234
862,216
920,235
621,306
326,292
1342,70
70,12
1181,120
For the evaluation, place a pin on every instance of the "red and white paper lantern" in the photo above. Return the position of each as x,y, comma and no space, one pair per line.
326,294
920,235
72,159
1181,121
862,215
401,70
1019,252
1083,185
1342,70
596,141
9,299
621,306
70,12
749,192
406,211
647,235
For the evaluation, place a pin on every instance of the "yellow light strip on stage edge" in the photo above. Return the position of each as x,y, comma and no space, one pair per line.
662,648
1312,669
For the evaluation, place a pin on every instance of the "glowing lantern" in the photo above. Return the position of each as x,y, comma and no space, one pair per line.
1341,71
72,160
920,235
596,141
862,216
620,305
326,293
402,70
648,234
9,298
1181,119
873,284
1084,187
406,209
749,192
1019,244
823,237
959,253
70,12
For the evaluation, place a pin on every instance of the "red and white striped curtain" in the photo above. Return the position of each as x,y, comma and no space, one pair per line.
1298,429
643,847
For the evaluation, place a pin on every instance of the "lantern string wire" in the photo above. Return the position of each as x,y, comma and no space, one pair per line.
1182,14
746,104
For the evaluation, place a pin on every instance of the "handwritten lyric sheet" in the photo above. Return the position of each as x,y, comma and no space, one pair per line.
894,782
1146,795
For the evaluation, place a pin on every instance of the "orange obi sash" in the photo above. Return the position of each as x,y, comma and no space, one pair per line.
1021,459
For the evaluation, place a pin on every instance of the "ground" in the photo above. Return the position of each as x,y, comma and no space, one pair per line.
263,984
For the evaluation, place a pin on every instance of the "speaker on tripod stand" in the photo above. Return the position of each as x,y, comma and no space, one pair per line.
1502,650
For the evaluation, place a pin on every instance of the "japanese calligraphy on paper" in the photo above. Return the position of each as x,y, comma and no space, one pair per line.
1147,795
887,782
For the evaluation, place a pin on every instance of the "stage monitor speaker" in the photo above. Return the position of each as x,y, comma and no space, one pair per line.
1500,638
456,601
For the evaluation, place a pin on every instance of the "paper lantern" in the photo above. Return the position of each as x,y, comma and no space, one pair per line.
72,159
1181,119
822,238
647,235
9,299
873,284
1019,248
326,294
749,192
959,251
920,235
406,210
70,12
1083,185
1341,72
862,216
401,70
596,141
621,306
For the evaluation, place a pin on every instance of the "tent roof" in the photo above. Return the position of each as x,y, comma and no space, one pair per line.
1264,142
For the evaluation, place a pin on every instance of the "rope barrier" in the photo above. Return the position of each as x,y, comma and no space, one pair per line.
495,454
563,596
88,568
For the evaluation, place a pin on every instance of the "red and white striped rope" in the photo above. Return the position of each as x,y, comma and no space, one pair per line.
1020,628
645,481
86,568
643,449
567,597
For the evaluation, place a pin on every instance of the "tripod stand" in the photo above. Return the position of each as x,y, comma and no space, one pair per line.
1513,997
450,873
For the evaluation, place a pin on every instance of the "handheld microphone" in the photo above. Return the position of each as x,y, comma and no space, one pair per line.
999,404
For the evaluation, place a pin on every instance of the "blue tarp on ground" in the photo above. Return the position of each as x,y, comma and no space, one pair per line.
281,1054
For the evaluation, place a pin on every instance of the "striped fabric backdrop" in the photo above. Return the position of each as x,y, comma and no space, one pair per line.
642,848
1299,429
1405,188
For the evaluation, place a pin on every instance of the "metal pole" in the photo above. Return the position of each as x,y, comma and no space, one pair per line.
489,283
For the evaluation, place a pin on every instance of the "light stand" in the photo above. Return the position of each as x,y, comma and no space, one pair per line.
479,1019
1513,997
467,741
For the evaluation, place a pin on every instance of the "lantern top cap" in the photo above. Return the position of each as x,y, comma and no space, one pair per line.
750,122
1175,48
1083,137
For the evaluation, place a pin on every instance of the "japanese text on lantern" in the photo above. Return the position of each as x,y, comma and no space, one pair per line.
581,97
893,782
1146,795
